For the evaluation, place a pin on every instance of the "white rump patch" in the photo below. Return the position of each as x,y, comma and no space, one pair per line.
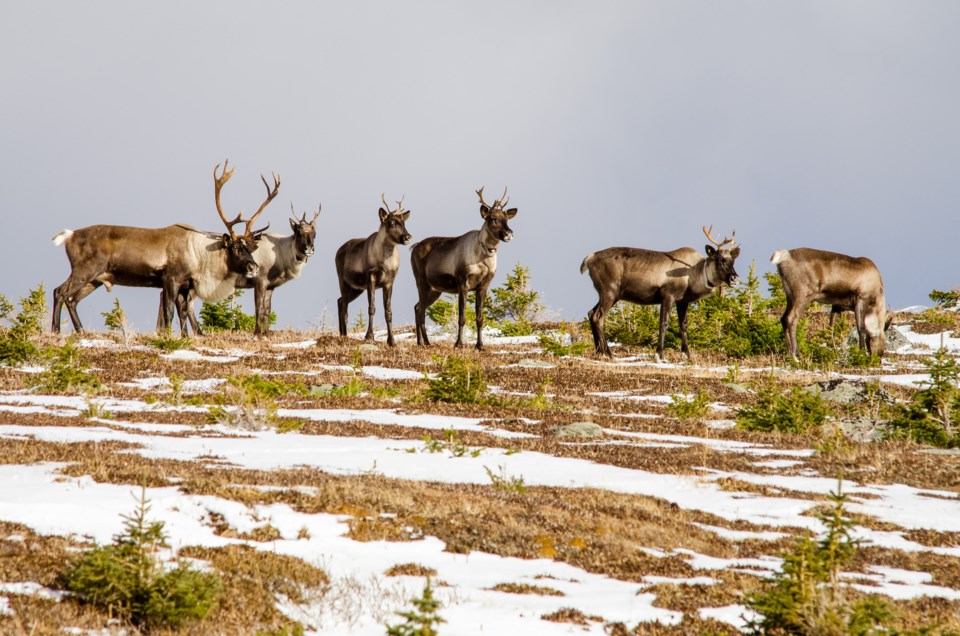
779,256
62,237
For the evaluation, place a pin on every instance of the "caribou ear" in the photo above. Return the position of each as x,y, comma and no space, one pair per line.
512,212
293,225
735,252
226,240
710,250
405,216
484,211
383,215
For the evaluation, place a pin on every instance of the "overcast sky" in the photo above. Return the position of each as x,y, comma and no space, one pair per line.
821,124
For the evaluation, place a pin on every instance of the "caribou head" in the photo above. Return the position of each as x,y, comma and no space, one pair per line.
720,257
495,216
304,233
240,247
393,221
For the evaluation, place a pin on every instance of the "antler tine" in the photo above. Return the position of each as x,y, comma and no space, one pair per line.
400,203
315,216
271,194
732,239
217,185
480,194
709,234
502,201
719,244
383,197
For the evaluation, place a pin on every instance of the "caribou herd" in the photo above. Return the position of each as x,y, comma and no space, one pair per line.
186,263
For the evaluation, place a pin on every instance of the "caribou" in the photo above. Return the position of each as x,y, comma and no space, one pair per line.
176,258
280,258
370,264
647,277
845,282
460,265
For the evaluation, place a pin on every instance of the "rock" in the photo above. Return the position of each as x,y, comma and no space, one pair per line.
367,347
321,389
858,429
578,429
737,387
849,391
895,340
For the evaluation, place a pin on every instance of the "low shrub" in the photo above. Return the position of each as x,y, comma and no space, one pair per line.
933,414
66,370
460,381
16,344
128,579
689,408
227,315
797,410
423,619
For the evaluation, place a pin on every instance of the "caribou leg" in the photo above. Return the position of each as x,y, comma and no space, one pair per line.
597,316
682,319
481,295
371,305
665,306
347,295
388,312
427,298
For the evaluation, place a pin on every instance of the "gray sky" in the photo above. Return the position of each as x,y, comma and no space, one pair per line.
822,124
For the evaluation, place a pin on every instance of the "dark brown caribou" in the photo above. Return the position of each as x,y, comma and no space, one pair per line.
365,265
176,258
280,258
646,277
461,265
847,283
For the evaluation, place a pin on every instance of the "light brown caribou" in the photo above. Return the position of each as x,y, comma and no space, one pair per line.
176,258
460,265
646,277
847,283
370,264
280,258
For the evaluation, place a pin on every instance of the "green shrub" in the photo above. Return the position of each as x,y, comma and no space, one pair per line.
637,326
422,619
443,312
933,414
459,381
116,319
806,595
506,483
250,403
16,346
945,299
167,342
689,408
127,579
227,315
796,411
66,370
556,347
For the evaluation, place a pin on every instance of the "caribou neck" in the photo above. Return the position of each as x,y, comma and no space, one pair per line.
700,282
487,244
382,246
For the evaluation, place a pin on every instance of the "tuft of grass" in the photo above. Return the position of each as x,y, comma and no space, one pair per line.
167,342
506,483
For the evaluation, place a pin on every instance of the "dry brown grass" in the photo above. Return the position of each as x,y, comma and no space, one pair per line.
596,530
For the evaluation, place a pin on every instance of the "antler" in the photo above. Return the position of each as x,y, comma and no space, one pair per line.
503,200
480,194
719,244
271,194
386,206
303,219
217,185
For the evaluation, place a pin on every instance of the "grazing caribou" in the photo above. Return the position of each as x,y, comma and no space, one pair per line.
372,263
646,277
845,282
280,258
175,258
460,265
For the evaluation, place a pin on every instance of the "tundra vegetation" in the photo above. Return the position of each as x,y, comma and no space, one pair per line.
738,420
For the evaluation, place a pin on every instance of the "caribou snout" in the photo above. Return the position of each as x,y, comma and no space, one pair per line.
406,239
506,236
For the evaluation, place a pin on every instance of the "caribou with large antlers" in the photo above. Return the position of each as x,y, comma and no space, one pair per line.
370,264
460,265
281,259
646,277
175,258
846,282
